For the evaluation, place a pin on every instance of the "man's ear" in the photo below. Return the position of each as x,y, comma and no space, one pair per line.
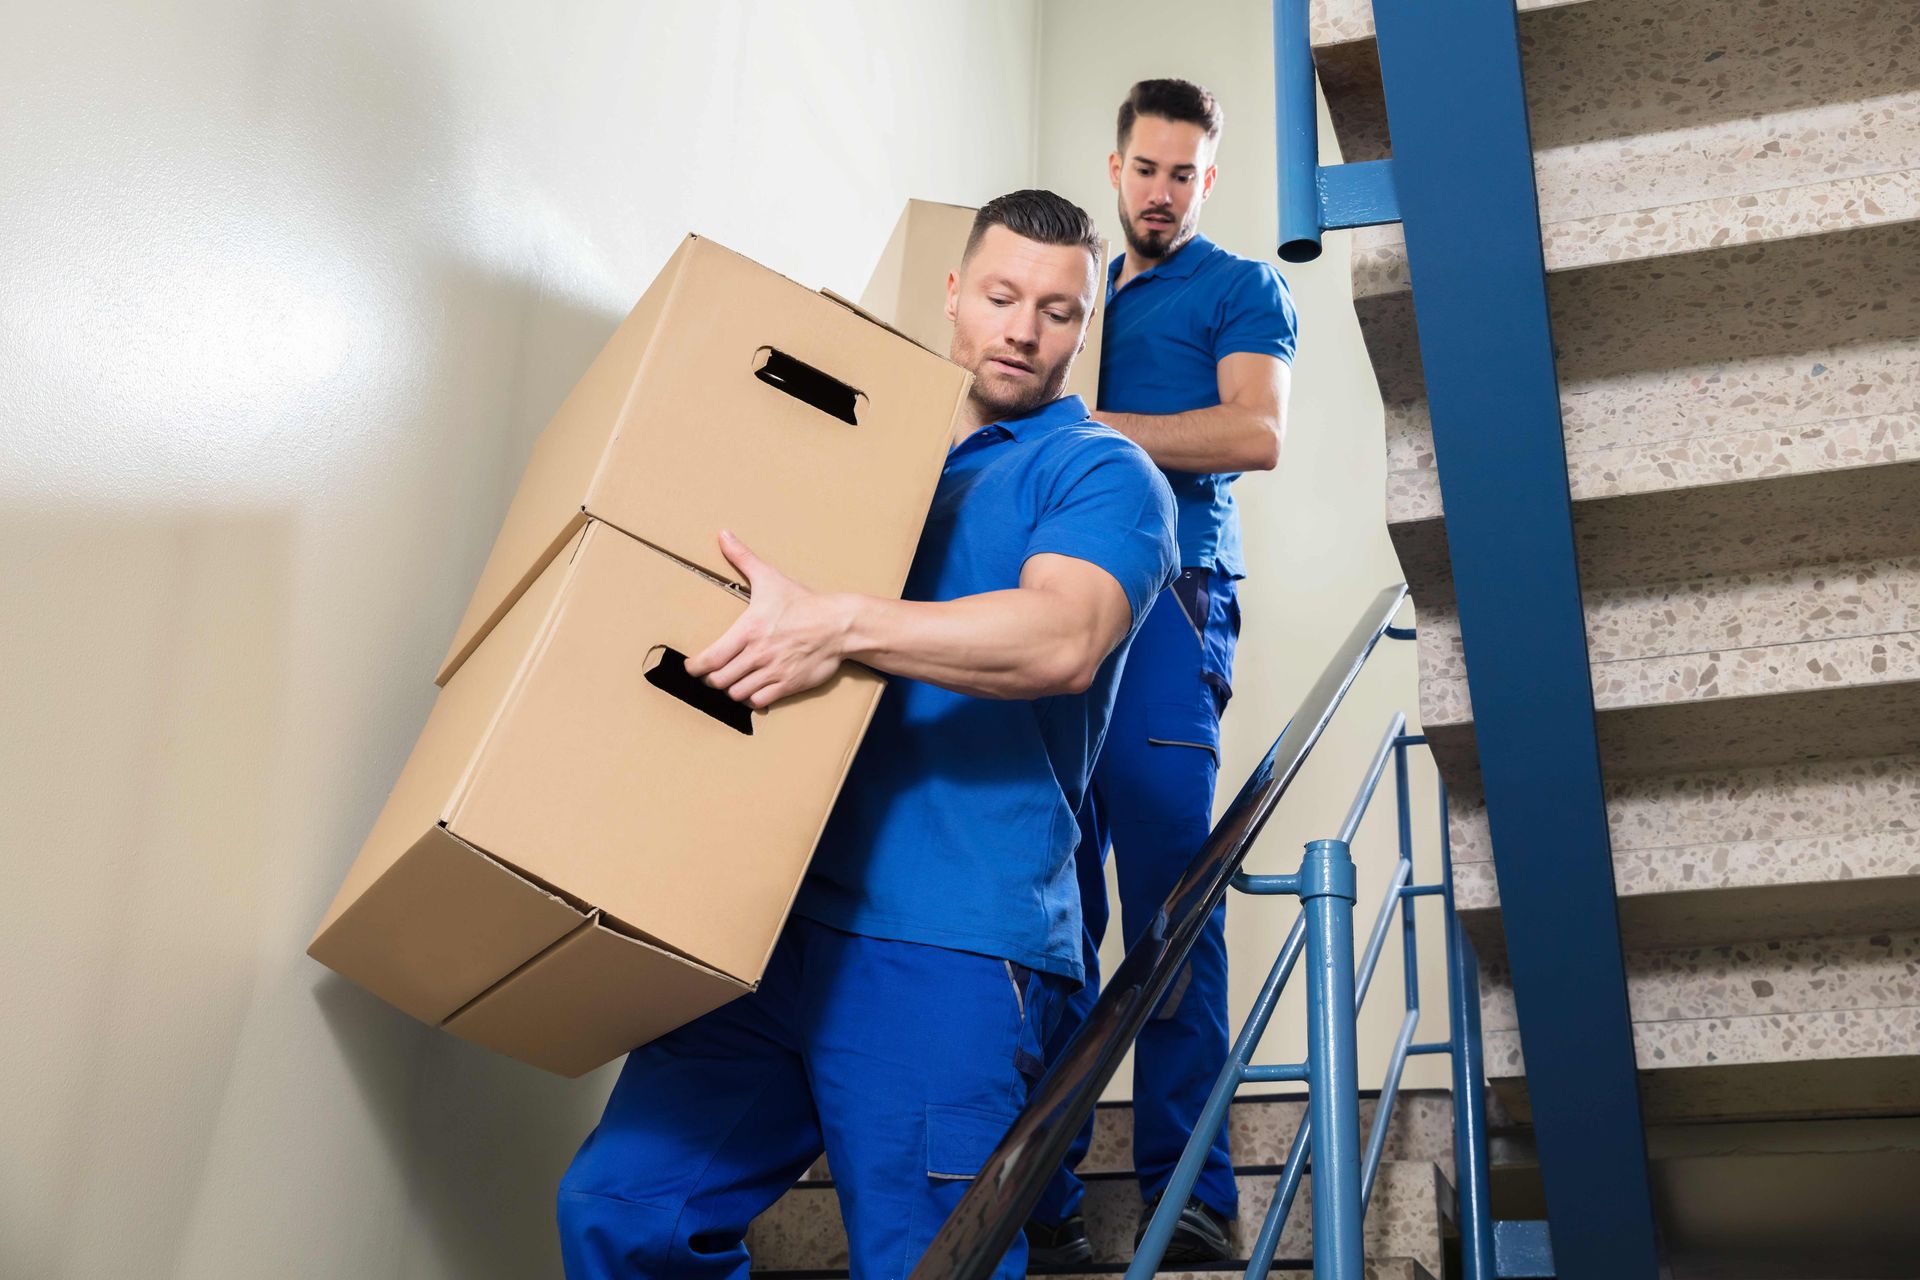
1113,169
1206,183
953,295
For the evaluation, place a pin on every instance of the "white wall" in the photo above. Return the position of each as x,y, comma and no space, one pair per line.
1317,547
285,293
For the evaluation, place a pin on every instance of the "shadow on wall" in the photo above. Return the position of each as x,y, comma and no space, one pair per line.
145,672
481,1140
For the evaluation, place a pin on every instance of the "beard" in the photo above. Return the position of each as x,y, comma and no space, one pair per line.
1152,243
1004,397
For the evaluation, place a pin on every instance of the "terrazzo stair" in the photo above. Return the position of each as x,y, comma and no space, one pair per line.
803,1232
1664,126
1389,1269
1702,859
1797,1028
1729,197
1411,1211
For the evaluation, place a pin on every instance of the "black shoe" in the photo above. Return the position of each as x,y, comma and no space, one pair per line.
1201,1235
1063,1244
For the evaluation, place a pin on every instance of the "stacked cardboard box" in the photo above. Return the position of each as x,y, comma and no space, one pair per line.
587,847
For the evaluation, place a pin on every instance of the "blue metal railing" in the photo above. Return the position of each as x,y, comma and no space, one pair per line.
975,1237
1316,198
1345,1178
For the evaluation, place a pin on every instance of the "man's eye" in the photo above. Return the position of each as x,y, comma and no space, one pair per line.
1184,178
1058,317
1000,302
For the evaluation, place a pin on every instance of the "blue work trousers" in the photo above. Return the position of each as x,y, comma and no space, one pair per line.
904,1063
1152,803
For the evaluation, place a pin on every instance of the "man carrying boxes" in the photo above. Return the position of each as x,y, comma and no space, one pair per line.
902,1014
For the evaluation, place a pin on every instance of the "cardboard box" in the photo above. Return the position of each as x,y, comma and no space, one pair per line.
908,289
582,852
733,397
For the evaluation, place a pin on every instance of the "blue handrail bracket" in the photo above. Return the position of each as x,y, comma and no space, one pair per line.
1316,198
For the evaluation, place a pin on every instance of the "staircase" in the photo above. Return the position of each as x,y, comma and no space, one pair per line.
1406,1232
1730,204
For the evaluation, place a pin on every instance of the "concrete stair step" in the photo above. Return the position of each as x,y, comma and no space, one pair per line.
1806,1027
1263,1127
1796,1198
1375,1269
1785,851
1662,126
1817,662
1742,410
1335,22
804,1232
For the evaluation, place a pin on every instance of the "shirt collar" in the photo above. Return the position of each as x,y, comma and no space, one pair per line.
1185,261
1057,413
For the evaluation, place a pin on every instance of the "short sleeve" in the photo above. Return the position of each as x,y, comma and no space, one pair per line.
1257,315
1111,507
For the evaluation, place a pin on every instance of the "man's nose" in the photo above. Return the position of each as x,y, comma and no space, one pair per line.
1023,328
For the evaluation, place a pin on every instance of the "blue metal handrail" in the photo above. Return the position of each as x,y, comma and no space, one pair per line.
1345,1179
1316,198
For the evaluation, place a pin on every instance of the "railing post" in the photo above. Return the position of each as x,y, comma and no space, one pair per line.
1297,137
1327,895
1475,1210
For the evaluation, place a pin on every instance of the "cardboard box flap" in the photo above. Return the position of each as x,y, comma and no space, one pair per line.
595,994
456,728
871,318
441,923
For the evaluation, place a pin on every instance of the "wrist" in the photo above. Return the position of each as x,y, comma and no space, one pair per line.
853,626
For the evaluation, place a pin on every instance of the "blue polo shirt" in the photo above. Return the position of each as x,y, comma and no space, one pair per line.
1165,333
955,827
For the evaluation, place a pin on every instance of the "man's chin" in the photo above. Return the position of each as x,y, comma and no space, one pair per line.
1008,399
1152,246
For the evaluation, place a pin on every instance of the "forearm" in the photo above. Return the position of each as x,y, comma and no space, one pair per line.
1225,437
1001,644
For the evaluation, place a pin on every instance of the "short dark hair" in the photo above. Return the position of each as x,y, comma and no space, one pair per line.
1181,101
1040,216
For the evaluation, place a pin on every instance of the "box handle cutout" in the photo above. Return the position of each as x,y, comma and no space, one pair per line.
667,671
807,384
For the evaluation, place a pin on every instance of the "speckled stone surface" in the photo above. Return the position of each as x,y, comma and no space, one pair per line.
1760,634
1835,722
1830,1087
1641,107
1784,852
1374,1269
1655,816
1402,1222
1733,982
1421,1129
1851,1062
805,1231
1334,21
1702,371
1835,204
1263,1129
1822,517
